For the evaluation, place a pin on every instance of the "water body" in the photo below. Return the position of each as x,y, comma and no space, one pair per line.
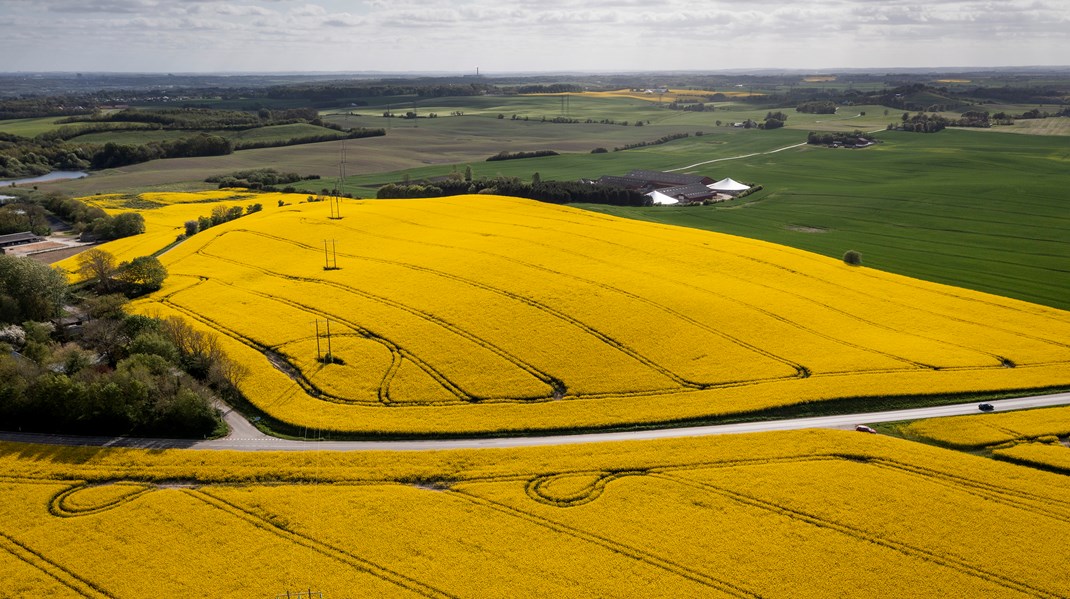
53,176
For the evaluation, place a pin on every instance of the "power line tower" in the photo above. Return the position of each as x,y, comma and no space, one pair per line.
324,358
339,186
330,254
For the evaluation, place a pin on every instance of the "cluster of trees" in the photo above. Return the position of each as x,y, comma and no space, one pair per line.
978,118
139,276
22,157
117,375
1037,113
29,290
260,178
827,138
220,215
693,106
773,120
16,217
817,107
92,222
920,123
658,141
556,192
504,155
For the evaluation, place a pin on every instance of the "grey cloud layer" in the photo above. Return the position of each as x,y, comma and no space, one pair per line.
464,30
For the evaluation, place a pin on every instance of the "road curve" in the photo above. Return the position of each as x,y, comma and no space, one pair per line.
243,437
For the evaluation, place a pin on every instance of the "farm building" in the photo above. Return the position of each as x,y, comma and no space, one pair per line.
14,239
688,194
647,181
675,188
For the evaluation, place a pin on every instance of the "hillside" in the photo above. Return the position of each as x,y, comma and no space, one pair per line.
482,314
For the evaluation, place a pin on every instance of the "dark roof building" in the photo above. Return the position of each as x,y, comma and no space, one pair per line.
625,182
18,239
695,192
647,181
662,179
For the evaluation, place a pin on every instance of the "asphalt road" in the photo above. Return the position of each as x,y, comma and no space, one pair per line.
245,437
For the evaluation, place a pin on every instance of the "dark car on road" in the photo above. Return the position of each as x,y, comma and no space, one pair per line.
986,407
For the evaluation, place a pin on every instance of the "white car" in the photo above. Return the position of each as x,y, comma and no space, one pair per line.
865,429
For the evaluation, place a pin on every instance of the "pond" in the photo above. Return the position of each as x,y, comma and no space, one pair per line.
53,176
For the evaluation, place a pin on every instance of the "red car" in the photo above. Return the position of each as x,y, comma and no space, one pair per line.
865,429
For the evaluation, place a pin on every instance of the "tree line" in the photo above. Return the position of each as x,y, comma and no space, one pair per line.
504,155
554,192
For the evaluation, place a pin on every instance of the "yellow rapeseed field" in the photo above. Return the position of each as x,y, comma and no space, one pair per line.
481,313
1053,455
792,514
165,214
982,430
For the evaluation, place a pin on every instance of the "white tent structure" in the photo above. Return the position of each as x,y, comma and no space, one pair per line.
728,185
661,199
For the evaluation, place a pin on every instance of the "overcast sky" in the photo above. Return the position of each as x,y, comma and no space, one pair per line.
527,35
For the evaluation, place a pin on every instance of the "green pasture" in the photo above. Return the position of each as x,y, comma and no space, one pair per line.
966,208
1049,126
30,127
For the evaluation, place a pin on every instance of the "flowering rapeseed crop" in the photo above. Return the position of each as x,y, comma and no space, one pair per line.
790,514
980,430
482,313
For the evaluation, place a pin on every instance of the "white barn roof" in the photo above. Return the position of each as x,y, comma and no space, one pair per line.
728,184
659,198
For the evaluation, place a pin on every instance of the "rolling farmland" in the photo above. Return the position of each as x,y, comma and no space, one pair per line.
482,314
801,514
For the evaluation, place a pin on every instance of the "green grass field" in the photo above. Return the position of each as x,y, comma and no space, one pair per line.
964,208
30,127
